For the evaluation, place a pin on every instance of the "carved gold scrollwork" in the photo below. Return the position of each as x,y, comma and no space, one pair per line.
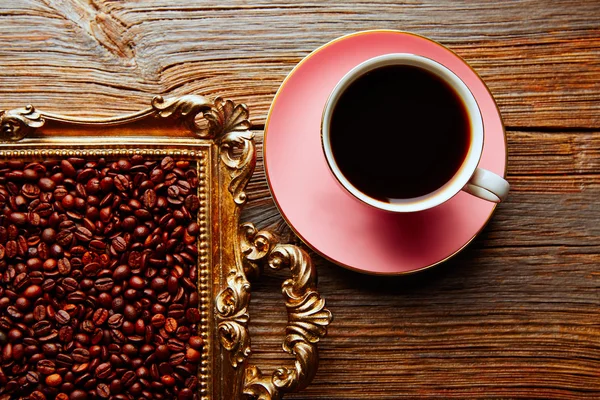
186,109
222,116
307,316
238,154
255,247
232,310
18,123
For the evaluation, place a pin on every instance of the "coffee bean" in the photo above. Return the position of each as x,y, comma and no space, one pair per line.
119,244
46,367
149,199
39,312
50,349
103,370
65,334
137,282
64,238
167,163
176,311
175,345
121,183
97,245
100,316
69,284
64,360
121,273
158,320
80,355
103,391
83,234
33,292
63,317
76,297
54,380
42,328
37,395
104,284
78,395
115,321
32,377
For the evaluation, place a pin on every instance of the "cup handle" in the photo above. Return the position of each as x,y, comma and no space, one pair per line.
487,185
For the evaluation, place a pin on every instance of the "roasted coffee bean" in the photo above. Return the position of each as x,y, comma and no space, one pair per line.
100,316
42,328
39,312
167,164
64,266
37,395
64,360
80,355
32,377
175,345
115,321
46,367
104,284
50,349
158,321
121,273
103,370
137,282
64,238
121,183
76,297
54,380
176,311
119,244
83,234
62,317
103,391
78,395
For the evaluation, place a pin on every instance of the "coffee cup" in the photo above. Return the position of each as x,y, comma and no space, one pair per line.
403,133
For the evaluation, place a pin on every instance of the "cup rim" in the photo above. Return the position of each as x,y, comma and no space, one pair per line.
465,171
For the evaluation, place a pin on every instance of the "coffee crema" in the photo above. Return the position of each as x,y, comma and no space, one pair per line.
399,132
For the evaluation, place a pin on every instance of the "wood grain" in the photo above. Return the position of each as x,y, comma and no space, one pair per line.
540,59
516,314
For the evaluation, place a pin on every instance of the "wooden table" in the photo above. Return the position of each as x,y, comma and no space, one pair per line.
516,314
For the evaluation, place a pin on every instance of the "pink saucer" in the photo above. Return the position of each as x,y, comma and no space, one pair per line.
321,212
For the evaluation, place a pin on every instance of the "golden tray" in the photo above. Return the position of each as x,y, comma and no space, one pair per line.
214,135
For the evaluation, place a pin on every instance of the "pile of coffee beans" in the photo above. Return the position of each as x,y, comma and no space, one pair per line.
98,272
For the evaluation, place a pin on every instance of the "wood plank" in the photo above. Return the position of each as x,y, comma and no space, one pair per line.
540,62
484,325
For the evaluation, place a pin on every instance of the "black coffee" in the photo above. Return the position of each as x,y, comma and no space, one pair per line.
399,132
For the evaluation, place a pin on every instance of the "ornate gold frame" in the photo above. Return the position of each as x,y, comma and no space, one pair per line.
216,135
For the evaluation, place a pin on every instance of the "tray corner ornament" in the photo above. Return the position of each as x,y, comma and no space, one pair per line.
240,253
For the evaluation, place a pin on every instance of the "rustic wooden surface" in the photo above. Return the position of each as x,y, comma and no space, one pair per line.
515,315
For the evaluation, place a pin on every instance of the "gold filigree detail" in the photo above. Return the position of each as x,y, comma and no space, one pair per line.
186,109
18,123
255,247
307,316
232,311
222,116
225,116
239,155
